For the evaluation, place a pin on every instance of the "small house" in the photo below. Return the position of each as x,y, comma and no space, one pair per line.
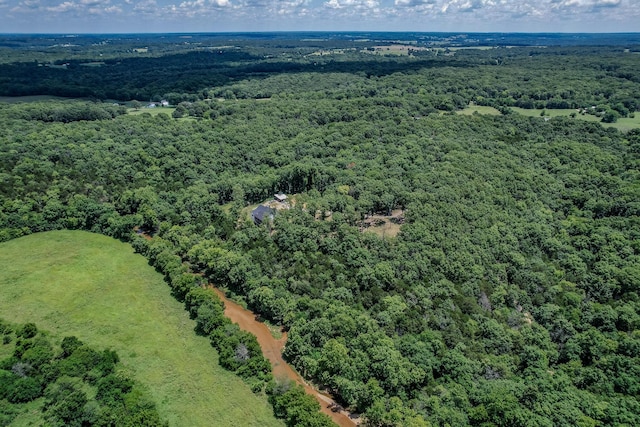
261,213
280,197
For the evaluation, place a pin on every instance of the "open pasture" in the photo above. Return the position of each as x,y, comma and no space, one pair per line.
96,288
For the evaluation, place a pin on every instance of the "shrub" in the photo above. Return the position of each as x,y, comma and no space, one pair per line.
24,390
29,330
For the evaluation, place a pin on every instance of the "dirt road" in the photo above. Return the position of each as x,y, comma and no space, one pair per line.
272,349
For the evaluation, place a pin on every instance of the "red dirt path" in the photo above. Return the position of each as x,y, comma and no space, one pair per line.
272,349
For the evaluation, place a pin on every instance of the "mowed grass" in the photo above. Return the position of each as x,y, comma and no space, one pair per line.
96,288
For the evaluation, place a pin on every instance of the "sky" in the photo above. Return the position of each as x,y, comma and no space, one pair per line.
141,16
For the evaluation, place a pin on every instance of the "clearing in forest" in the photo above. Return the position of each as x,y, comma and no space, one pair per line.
383,225
96,288
623,124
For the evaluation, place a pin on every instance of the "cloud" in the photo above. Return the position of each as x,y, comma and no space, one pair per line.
203,4
271,6
84,7
191,4
454,6
383,15
340,4
586,4
94,2
29,4
104,10
292,7
607,3
470,6
414,3
146,7
255,3
67,6
508,6
48,9
192,8
488,10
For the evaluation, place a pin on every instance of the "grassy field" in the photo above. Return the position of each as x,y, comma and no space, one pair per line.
623,124
96,288
555,113
153,111
388,229
480,109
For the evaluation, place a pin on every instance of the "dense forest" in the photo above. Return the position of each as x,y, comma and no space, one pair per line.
507,296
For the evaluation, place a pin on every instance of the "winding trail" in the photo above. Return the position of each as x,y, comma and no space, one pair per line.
272,349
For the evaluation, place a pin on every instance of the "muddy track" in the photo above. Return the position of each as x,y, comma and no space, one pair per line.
272,349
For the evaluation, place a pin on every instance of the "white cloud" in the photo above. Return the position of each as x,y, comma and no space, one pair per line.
340,4
607,3
146,7
203,4
191,4
104,10
94,2
29,4
263,11
504,7
192,8
469,6
63,7
415,3
289,7
586,3
78,8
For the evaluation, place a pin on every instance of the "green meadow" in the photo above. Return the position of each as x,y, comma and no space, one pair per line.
622,124
98,289
153,111
480,109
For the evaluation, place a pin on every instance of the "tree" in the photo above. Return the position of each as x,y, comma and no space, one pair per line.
296,407
209,316
69,345
610,116
28,330
65,402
